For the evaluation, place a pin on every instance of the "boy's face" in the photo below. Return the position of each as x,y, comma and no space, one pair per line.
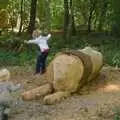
35,34
44,33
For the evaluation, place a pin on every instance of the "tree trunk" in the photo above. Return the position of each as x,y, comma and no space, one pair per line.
21,16
73,26
66,17
92,8
47,11
102,15
71,30
31,26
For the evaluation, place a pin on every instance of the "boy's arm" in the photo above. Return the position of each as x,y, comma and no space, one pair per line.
34,41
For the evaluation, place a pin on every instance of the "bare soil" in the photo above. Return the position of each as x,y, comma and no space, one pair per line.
98,100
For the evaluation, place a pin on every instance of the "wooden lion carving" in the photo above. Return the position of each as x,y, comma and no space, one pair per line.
69,71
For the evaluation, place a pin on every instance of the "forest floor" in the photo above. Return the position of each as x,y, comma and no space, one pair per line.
99,100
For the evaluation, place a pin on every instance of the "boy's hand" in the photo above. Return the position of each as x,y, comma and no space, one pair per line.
49,36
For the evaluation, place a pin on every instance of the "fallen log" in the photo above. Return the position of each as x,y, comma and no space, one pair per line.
72,69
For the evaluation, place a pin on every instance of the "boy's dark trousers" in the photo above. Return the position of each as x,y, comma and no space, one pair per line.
41,62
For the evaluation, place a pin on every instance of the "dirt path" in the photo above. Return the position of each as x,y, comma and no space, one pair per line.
96,101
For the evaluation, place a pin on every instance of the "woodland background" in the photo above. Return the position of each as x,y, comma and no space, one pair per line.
73,24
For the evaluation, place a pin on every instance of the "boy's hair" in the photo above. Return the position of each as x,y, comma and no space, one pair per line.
44,32
36,33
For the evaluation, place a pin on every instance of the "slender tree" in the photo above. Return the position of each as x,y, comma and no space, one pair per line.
91,10
21,17
31,26
71,25
103,10
69,22
47,11
66,17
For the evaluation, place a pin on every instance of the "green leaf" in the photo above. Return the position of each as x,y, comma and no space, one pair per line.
3,3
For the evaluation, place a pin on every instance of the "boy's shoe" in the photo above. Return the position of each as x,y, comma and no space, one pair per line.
36,74
42,72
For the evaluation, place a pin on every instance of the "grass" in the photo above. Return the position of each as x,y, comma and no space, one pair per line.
109,46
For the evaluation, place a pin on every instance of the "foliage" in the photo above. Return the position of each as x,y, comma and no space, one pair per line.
10,58
57,14
104,43
105,14
116,17
104,17
14,9
117,113
3,3
50,13
3,18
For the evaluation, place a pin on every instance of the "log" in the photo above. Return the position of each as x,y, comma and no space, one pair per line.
4,75
96,59
37,92
72,69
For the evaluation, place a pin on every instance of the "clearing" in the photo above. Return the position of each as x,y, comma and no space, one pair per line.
98,100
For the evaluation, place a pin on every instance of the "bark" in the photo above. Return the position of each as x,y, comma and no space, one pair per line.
66,17
71,26
21,16
102,16
31,26
47,11
92,8
69,31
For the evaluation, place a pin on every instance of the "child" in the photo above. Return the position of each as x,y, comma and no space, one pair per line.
6,98
41,41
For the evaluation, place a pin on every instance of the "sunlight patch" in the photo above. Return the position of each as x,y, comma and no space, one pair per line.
112,87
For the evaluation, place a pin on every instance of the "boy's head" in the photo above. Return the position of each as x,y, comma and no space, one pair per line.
36,33
44,32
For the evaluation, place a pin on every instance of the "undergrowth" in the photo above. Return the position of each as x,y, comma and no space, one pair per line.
109,46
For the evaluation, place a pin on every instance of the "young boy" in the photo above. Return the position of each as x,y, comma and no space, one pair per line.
41,41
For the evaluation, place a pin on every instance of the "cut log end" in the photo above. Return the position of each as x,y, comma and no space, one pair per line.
74,68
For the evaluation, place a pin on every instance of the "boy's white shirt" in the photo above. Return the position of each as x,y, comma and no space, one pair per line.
41,41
